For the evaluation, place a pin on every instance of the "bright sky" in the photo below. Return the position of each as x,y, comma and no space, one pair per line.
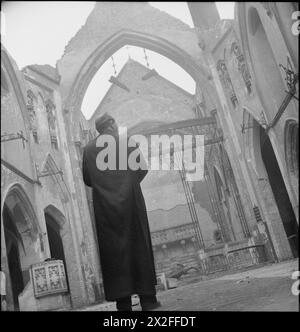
36,32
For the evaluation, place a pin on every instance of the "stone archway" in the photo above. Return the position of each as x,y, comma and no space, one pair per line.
280,193
55,222
13,240
20,232
267,185
125,37
114,26
264,57
269,62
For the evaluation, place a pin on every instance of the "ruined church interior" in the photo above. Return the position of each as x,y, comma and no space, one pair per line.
243,212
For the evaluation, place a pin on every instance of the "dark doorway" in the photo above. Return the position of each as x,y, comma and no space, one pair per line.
13,242
55,241
280,193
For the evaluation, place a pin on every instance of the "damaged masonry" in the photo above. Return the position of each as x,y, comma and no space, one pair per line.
240,213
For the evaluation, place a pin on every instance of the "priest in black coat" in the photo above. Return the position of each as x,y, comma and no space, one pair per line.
126,255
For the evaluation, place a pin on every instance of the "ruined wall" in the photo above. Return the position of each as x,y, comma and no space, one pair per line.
109,18
153,99
237,62
14,119
267,45
30,102
245,56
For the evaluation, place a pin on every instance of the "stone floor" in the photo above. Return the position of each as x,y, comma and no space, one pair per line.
267,288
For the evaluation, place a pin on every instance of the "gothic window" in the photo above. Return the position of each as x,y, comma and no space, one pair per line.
50,108
226,82
241,65
292,147
30,105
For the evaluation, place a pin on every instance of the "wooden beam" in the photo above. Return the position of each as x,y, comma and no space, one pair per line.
162,129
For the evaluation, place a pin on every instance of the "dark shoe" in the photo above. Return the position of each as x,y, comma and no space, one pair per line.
124,304
151,306
149,302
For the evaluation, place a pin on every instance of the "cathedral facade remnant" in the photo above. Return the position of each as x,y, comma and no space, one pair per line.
246,103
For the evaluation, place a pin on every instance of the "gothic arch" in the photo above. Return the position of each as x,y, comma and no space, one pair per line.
272,207
50,165
18,192
21,232
11,77
252,142
56,214
40,95
95,60
257,31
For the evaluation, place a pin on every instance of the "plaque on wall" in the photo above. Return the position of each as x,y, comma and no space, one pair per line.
49,278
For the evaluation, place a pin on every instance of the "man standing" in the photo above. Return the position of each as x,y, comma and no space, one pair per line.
124,240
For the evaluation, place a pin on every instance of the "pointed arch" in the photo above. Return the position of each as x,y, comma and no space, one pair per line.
56,214
10,75
17,192
129,37
49,165
42,98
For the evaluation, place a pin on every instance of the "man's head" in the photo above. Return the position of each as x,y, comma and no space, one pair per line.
106,123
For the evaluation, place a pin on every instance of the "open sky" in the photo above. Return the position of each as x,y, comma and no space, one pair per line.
36,32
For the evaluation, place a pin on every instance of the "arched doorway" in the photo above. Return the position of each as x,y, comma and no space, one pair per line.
55,241
265,59
20,233
268,61
279,191
74,97
13,244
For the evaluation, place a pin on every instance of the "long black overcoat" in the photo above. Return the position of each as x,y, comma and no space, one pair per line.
126,255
